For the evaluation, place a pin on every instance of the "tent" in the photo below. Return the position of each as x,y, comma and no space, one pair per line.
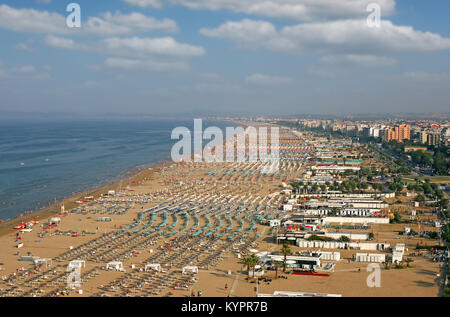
153,266
192,269
115,265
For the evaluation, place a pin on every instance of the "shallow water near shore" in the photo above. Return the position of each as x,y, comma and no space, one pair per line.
43,161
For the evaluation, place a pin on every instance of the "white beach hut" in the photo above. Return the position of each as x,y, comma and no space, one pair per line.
78,263
47,262
190,269
153,267
115,265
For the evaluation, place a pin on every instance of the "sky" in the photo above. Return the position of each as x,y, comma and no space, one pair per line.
225,57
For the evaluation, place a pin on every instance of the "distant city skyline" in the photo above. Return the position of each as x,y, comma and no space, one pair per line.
213,58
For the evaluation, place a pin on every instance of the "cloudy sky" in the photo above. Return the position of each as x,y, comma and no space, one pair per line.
162,57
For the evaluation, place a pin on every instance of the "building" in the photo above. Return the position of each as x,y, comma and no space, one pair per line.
433,139
398,133
423,137
415,148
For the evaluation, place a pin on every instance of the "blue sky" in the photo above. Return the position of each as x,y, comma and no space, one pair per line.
166,57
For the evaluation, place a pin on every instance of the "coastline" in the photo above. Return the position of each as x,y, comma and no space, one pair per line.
140,174
136,172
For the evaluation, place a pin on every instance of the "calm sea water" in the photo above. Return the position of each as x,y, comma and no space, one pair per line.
41,161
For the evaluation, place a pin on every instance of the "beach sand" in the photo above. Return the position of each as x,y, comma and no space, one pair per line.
163,183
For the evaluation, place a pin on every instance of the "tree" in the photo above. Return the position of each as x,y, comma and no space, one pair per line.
285,250
420,198
443,203
408,260
314,188
397,217
251,262
334,211
344,239
277,265
248,262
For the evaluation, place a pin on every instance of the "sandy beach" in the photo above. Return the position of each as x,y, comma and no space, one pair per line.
184,215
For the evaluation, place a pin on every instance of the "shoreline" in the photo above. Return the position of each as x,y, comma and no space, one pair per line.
7,227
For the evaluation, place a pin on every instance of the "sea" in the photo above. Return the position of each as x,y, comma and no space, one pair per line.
43,161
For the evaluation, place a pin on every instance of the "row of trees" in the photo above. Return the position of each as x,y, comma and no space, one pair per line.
348,186
430,190
439,160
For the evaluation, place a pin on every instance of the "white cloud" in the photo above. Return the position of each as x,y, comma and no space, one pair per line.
146,3
23,47
142,47
121,24
216,88
427,77
298,10
146,65
32,21
335,37
59,42
135,53
262,79
26,69
359,60
35,21
246,32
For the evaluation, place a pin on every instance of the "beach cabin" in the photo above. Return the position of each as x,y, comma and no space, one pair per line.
153,267
398,252
115,265
370,257
40,261
275,223
190,269
77,263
